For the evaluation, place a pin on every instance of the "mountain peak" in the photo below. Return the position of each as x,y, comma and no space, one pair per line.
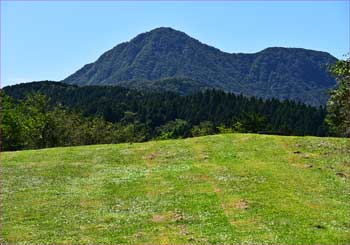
164,29
161,33
161,53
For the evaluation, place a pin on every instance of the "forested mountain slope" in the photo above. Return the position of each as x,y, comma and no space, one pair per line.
282,73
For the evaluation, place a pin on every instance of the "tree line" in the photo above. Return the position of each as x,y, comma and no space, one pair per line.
48,114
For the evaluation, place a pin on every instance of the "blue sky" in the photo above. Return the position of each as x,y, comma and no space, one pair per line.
43,40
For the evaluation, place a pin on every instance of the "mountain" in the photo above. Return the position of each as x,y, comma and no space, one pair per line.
163,53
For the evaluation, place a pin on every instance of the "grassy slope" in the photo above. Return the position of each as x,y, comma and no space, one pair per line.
216,189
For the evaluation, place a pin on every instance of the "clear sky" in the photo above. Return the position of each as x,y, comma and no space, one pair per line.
49,40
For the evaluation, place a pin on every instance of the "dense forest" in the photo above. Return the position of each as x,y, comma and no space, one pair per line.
47,114
162,53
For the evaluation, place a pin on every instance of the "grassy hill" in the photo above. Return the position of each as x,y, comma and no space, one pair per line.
234,188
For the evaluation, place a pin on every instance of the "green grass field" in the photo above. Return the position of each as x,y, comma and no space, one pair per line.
233,188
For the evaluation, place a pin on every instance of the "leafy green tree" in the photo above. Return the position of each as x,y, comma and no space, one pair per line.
14,131
204,128
338,106
133,132
238,127
33,123
222,129
39,120
174,129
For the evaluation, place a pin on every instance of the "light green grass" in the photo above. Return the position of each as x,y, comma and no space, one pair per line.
234,188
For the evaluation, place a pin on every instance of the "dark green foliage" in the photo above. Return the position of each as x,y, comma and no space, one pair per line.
252,123
174,129
134,116
163,53
13,130
35,123
338,107
182,86
204,128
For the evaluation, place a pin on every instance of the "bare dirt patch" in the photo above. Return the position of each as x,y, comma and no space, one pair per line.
139,235
178,217
242,204
244,139
159,218
184,231
152,156
231,206
342,175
